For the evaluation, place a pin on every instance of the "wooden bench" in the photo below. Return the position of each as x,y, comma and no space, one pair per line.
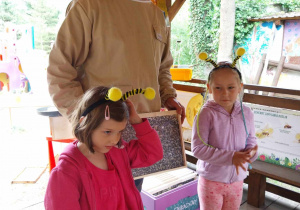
257,184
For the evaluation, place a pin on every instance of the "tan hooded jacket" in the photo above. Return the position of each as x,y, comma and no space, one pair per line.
119,43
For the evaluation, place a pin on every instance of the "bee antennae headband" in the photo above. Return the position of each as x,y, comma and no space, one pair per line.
115,94
239,52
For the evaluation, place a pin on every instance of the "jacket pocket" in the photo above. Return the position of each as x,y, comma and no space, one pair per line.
160,34
159,42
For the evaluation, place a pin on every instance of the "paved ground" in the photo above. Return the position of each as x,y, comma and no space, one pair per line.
23,144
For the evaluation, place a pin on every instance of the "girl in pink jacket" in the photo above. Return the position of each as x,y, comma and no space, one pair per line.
223,139
94,172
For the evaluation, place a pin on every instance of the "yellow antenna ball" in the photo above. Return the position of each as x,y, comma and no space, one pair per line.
203,55
149,93
240,51
114,94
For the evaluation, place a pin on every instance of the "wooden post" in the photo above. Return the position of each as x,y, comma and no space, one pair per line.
278,73
175,9
272,36
256,189
169,4
259,71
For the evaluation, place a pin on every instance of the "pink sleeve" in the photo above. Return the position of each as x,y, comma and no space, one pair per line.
62,192
147,149
201,149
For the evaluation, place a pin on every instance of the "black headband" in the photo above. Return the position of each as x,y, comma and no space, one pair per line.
93,106
115,94
227,65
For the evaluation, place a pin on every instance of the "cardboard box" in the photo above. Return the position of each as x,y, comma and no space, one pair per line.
180,198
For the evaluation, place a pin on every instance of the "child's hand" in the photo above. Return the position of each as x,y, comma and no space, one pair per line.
239,158
253,151
133,116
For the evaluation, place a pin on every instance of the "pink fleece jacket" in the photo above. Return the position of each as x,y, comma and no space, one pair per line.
226,133
71,185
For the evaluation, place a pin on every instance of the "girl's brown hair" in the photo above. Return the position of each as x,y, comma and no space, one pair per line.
83,130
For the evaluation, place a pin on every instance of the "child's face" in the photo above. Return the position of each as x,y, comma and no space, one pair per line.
107,135
225,87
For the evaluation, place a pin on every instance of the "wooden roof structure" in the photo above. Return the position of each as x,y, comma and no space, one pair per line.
279,16
173,8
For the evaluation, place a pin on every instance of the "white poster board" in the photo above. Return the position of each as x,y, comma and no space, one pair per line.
278,135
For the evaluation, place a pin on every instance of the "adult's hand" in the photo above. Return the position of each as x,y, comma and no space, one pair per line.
172,104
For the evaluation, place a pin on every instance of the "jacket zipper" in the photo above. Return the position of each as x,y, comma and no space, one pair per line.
130,175
233,131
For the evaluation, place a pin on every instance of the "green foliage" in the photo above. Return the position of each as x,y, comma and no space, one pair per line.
6,11
45,24
204,26
205,18
11,11
289,5
180,43
38,13
180,37
244,10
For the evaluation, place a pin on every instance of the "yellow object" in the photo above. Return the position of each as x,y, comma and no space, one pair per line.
114,94
4,78
264,132
161,4
20,68
181,74
240,51
298,137
193,107
149,93
203,55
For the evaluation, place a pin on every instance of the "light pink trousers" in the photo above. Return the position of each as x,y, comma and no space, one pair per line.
217,195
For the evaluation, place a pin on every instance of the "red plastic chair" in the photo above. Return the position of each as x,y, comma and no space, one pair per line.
52,112
52,163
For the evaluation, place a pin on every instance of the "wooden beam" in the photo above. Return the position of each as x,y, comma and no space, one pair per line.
287,66
280,173
283,192
260,69
169,4
272,89
286,193
278,73
248,87
285,103
175,8
273,19
197,81
191,159
189,88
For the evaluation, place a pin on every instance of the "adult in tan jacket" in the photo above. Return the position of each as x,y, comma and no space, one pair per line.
121,43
